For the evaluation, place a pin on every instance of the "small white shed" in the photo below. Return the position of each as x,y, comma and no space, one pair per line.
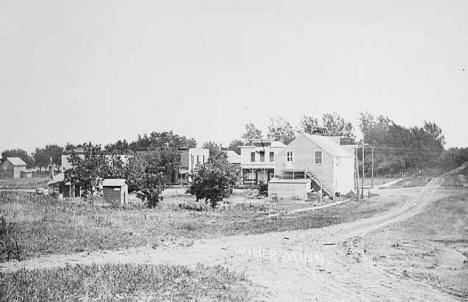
115,191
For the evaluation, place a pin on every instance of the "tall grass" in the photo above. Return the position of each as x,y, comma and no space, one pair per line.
125,282
24,183
42,225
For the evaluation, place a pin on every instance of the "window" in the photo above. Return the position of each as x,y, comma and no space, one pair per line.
289,156
252,156
272,156
318,157
262,156
203,162
198,159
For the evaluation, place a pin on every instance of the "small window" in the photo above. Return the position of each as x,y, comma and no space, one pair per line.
318,157
289,156
272,156
252,156
198,159
262,156
203,162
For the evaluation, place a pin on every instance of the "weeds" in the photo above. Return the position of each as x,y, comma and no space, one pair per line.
43,225
125,282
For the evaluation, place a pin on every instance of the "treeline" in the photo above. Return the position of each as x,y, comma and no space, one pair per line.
399,149
396,148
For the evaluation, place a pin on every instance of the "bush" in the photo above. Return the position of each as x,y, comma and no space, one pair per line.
263,189
214,181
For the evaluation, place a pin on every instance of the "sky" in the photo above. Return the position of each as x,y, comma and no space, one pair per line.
76,71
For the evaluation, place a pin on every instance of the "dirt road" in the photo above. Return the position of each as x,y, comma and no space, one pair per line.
303,265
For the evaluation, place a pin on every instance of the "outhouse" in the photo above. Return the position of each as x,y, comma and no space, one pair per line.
115,191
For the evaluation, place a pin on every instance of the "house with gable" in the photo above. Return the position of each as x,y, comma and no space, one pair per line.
316,162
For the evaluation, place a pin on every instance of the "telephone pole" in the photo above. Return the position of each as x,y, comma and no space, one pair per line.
362,183
356,166
372,166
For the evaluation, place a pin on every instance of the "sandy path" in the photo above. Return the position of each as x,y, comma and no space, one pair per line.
303,265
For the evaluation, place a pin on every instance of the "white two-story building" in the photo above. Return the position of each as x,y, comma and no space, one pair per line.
258,160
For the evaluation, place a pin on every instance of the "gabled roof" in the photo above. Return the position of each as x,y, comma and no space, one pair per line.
328,145
57,179
233,157
16,161
113,183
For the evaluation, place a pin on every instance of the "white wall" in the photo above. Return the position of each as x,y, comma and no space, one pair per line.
289,188
202,154
303,158
344,175
245,156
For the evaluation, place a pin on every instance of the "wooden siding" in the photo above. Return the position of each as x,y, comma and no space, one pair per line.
10,171
336,172
115,195
289,188
303,158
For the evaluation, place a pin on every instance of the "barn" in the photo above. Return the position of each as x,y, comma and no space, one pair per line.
11,168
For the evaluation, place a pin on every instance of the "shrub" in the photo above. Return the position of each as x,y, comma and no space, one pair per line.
263,189
214,181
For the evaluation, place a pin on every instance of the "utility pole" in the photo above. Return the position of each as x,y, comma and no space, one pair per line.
356,165
362,183
372,166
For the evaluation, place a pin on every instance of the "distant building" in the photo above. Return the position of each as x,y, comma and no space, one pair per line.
258,160
11,168
66,158
61,189
190,160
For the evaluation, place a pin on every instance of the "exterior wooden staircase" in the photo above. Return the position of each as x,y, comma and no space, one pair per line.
317,180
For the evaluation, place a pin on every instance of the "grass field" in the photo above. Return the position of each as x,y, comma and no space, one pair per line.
24,183
431,247
42,225
125,282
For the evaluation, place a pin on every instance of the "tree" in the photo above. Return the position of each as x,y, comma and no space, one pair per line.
400,149
234,145
213,147
251,132
214,180
119,146
281,130
165,139
21,154
335,125
310,124
146,178
89,171
42,156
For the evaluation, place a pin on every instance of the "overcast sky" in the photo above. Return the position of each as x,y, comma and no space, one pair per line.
74,71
